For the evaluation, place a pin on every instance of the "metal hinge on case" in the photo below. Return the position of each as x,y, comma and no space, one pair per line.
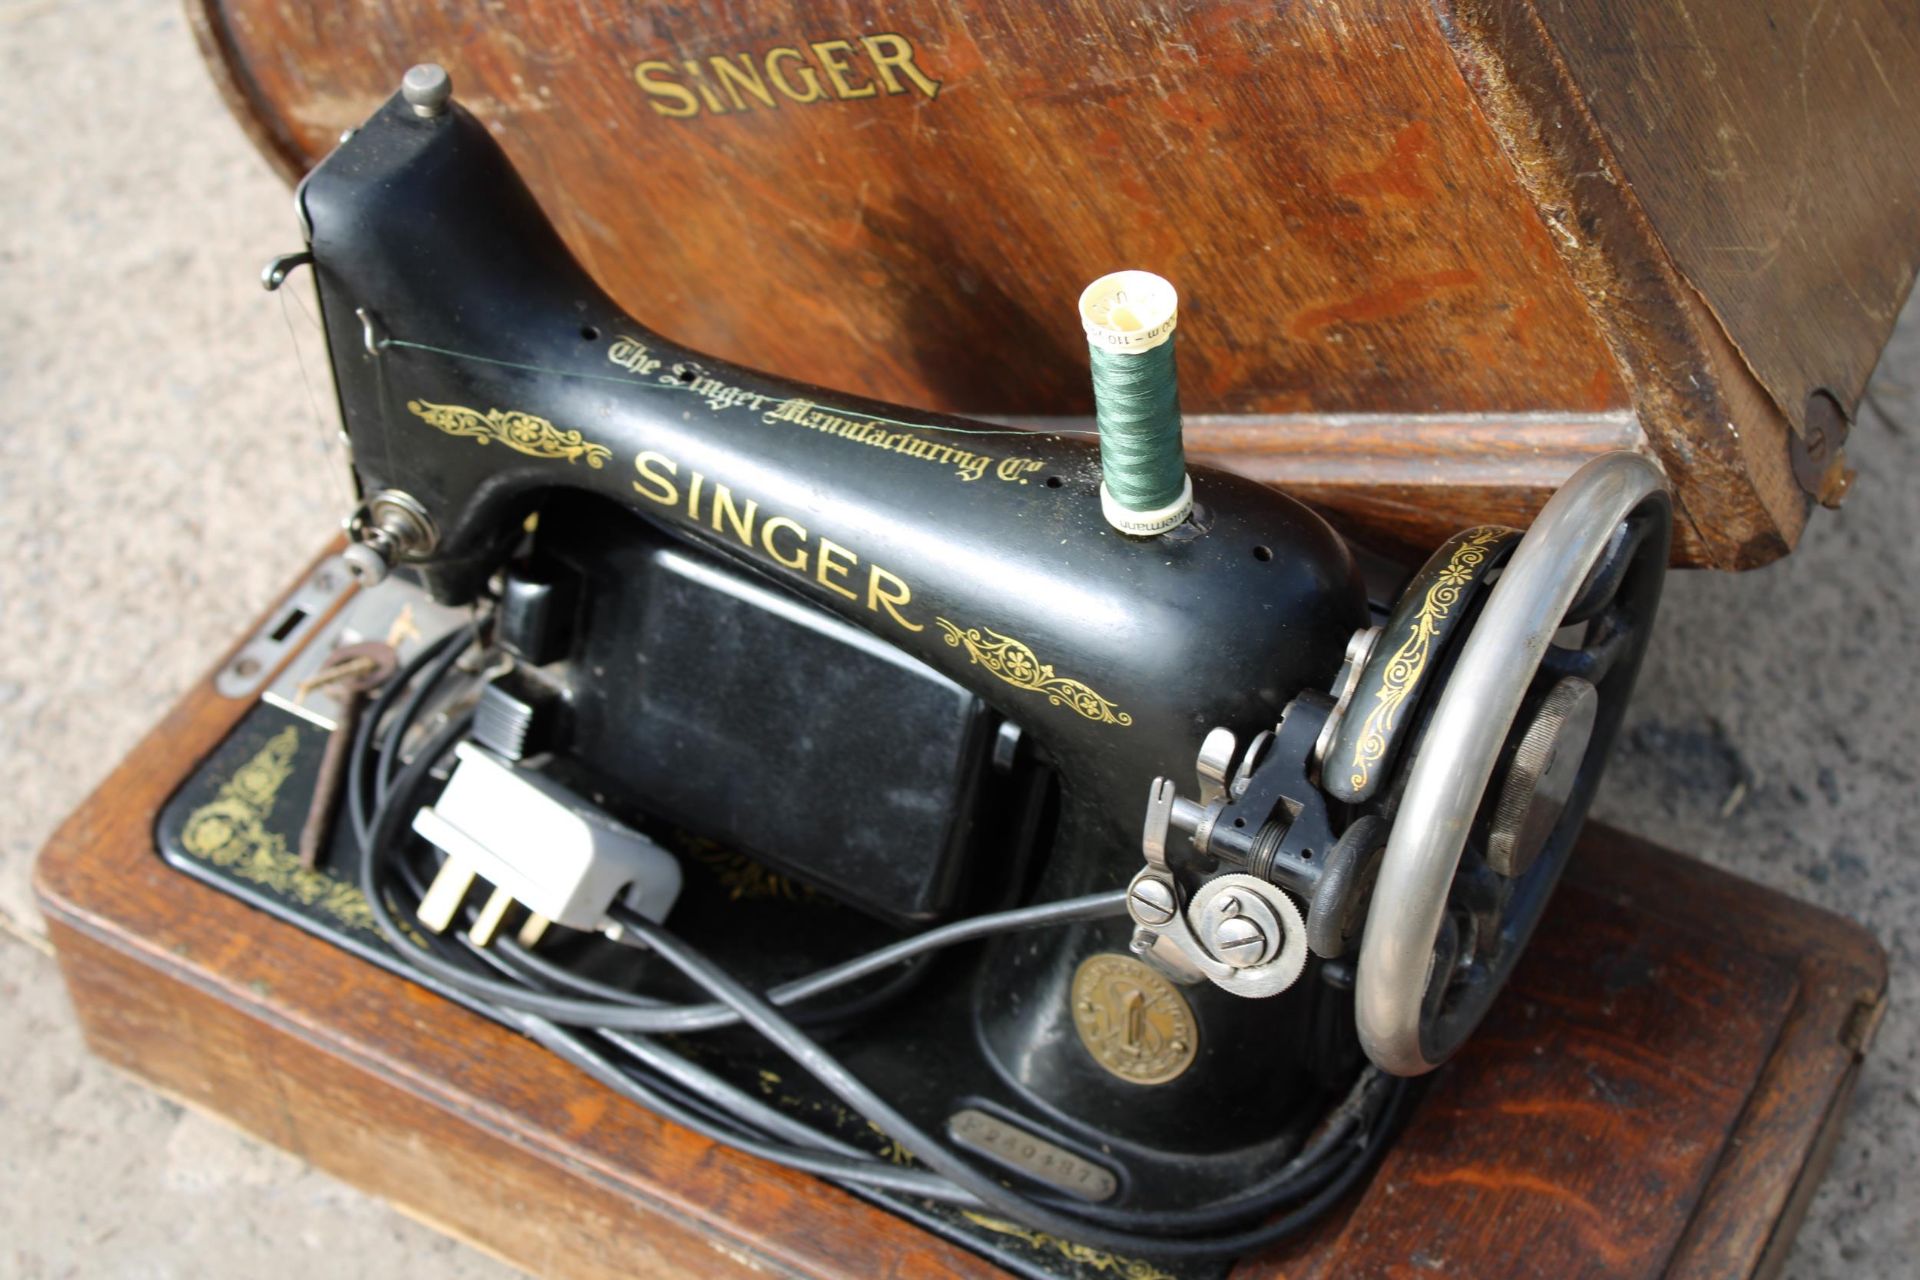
1863,1022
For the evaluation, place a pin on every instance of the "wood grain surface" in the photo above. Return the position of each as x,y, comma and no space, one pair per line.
1756,135
1369,254
1651,1096
1600,1096
1395,215
1723,442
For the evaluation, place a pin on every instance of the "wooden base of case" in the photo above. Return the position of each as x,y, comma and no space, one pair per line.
1656,1094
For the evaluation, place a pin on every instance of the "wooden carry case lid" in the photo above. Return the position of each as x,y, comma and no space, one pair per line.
1433,253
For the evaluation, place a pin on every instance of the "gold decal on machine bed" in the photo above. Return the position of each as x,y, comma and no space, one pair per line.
231,832
1081,1255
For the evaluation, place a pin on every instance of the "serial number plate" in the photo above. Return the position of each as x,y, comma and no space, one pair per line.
1031,1154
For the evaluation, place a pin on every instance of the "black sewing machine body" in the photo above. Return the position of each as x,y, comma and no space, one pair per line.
989,563
904,664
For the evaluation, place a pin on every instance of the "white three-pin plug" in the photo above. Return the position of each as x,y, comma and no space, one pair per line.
538,844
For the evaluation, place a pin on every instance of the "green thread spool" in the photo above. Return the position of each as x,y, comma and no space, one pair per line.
1129,317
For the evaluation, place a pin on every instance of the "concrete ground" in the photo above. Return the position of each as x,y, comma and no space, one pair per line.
163,473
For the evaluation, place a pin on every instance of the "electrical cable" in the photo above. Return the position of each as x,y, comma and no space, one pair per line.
705,1111
360,793
649,1014
386,826
1305,1173
722,1102
912,971
694,1088
865,1172
1344,1148
814,1059
431,664
431,674
728,1110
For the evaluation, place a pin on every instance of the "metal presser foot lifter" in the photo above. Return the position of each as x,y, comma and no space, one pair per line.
1037,834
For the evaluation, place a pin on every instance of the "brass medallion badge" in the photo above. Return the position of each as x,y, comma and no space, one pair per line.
1134,1022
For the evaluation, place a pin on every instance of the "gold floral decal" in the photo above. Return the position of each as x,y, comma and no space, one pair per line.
747,880
1084,1255
522,432
1020,667
1410,659
890,1149
230,832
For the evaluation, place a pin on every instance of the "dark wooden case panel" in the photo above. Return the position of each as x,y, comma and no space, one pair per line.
1433,253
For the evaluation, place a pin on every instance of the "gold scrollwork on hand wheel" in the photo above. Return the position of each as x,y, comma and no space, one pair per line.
521,432
1410,659
1020,667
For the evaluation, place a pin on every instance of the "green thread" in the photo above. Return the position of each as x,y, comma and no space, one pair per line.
628,381
1136,402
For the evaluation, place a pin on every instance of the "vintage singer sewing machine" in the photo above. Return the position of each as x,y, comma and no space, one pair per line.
1170,852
